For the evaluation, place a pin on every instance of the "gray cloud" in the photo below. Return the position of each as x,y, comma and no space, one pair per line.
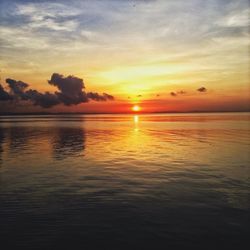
50,16
70,92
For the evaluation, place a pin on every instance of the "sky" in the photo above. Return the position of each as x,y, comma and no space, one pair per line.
108,55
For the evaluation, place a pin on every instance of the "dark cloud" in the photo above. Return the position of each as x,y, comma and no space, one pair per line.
17,88
108,97
95,96
45,100
173,94
70,92
180,92
4,96
139,95
70,89
202,89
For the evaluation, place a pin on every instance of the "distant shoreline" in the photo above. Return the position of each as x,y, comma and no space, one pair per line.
124,113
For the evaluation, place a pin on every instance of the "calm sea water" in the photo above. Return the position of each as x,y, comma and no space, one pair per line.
125,182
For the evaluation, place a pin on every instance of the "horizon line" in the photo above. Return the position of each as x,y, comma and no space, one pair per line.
120,113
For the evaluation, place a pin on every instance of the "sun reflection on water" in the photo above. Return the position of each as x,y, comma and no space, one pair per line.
136,123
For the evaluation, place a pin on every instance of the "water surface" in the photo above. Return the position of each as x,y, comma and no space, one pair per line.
176,181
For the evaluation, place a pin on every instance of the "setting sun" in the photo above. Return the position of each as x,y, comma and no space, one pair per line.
135,113
136,108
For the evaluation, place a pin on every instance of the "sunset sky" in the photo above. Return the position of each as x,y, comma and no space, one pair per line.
174,55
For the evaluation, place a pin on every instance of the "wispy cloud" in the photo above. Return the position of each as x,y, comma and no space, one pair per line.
39,11
235,19
52,16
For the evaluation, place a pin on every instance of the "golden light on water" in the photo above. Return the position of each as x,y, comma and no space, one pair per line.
136,121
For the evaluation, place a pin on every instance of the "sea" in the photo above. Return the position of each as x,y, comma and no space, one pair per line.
131,181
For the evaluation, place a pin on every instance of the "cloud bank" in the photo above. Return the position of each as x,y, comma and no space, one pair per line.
70,92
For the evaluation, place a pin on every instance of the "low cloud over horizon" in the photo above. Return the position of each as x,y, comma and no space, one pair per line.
70,92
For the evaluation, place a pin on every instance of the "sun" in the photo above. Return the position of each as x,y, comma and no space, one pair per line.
136,108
